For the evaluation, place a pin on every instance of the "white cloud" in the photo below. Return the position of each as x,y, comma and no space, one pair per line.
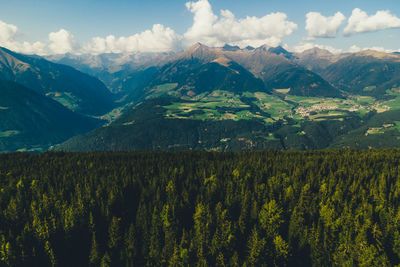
305,46
7,32
353,49
159,39
211,30
359,22
37,48
61,42
318,25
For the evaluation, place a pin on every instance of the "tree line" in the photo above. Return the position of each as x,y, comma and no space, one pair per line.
270,208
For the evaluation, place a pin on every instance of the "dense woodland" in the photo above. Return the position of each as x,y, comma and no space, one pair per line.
316,208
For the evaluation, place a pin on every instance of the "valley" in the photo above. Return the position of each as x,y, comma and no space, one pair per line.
219,105
211,98
280,107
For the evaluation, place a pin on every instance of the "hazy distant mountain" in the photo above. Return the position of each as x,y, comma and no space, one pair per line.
76,90
29,120
114,70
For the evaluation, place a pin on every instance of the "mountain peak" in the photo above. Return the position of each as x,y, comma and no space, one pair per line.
228,47
8,60
196,46
377,54
316,51
199,51
264,47
279,50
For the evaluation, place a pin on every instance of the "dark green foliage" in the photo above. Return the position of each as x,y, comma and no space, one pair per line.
359,139
303,82
206,77
149,130
235,78
317,208
37,121
146,128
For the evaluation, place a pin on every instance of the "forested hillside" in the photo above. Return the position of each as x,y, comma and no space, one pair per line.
317,208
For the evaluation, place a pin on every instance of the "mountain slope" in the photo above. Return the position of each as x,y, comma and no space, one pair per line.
203,69
146,128
76,90
29,120
278,72
368,72
316,59
151,126
274,65
200,69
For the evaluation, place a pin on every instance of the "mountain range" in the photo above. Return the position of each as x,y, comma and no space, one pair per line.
208,98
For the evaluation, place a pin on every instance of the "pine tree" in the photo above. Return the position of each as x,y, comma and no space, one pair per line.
94,256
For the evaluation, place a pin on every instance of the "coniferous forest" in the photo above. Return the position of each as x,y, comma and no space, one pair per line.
315,208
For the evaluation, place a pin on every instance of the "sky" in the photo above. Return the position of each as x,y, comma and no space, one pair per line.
48,27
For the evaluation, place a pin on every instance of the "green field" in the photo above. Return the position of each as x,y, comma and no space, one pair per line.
205,107
113,114
163,89
273,105
397,125
66,99
282,91
9,133
395,102
222,105
36,149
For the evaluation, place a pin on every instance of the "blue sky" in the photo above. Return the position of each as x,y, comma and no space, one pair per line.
27,24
